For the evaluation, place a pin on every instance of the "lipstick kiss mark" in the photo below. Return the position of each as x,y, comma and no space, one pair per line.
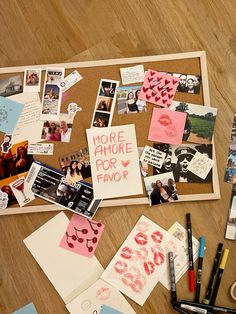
165,120
141,238
149,267
125,163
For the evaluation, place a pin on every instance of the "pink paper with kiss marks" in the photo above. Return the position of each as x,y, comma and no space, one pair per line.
167,126
159,88
82,235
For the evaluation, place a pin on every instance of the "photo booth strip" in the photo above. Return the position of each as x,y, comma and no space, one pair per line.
52,94
102,117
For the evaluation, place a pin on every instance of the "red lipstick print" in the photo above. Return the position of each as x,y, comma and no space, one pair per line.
127,279
120,267
149,267
126,252
103,293
137,286
142,226
141,238
159,258
157,236
142,253
165,120
171,131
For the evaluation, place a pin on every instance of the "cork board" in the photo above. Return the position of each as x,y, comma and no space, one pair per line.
84,94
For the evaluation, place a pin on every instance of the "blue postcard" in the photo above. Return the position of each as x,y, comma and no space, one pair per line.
27,309
9,114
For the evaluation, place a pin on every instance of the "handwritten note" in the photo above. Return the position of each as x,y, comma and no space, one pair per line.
132,74
159,88
152,156
114,161
200,165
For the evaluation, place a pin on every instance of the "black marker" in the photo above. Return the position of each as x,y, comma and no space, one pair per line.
213,274
190,253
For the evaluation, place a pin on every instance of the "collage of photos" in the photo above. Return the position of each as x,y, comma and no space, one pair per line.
200,122
51,93
128,100
76,165
58,131
161,188
105,102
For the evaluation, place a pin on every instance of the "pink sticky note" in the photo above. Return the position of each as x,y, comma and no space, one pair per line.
82,235
167,126
159,88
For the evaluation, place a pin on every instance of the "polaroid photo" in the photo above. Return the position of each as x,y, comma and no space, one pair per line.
167,165
188,83
58,189
161,188
10,86
15,161
52,94
105,103
230,232
70,80
132,75
80,158
32,80
128,100
182,156
58,131
142,164
200,122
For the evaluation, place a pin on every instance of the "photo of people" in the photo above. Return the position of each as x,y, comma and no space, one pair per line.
10,86
231,222
181,157
104,104
81,157
188,83
15,161
32,77
6,143
107,89
230,172
167,165
59,131
161,188
200,122
101,120
51,99
128,100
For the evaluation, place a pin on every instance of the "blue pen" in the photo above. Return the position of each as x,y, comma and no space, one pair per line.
199,269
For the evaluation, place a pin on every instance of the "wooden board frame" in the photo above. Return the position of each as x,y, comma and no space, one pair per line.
129,61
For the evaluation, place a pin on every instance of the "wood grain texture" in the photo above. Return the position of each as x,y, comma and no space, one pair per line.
40,32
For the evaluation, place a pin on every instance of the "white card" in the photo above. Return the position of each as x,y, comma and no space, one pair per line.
41,149
200,165
70,80
132,74
91,300
181,257
139,263
22,191
114,161
69,273
153,157
32,80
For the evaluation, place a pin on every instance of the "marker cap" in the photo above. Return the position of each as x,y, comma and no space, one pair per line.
191,281
202,245
224,258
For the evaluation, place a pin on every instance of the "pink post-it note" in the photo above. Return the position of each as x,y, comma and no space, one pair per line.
159,88
82,235
167,126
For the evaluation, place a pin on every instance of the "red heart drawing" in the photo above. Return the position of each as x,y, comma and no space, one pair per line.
125,162
148,97
154,94
169,89
158,79
150,79
157,98
167,82
163,93
164,101
170,95
145,89
159,88
174,82
152,73
168,105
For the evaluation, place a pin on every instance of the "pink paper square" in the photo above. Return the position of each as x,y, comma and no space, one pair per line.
82,235
167,126
159,88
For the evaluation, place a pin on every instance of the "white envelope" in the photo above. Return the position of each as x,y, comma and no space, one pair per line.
95,296
69,273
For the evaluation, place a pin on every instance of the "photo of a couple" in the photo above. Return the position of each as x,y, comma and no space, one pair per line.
128,100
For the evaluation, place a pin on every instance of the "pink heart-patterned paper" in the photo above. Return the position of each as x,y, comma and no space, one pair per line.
159,88
82,235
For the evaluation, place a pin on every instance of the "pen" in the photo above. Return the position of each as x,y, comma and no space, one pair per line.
190,253
172,277
209,308
213,274
219,276
199,269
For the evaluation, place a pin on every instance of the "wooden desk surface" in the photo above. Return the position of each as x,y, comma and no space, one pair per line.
39,32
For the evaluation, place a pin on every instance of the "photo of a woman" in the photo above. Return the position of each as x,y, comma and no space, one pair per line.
22,161
73,173
131,103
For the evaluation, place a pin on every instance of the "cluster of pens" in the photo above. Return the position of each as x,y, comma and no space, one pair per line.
208,304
